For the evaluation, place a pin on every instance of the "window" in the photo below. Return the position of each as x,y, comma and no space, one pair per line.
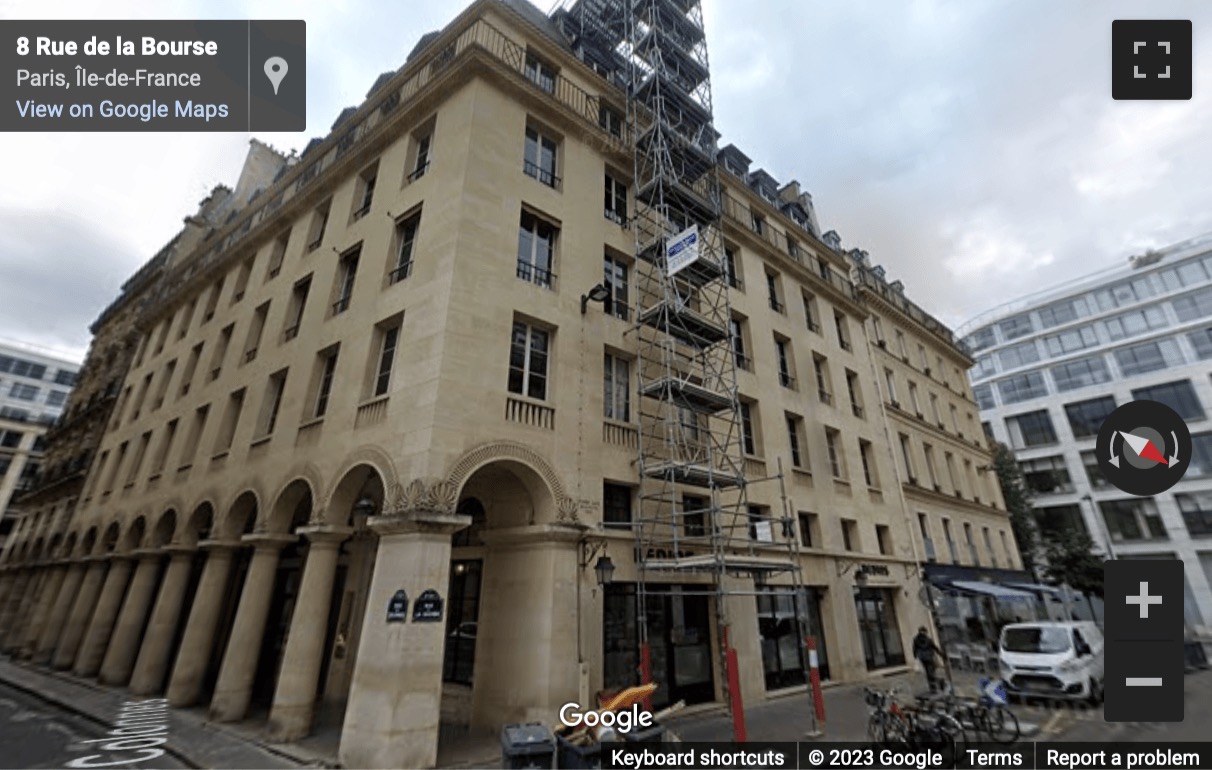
694,516
617,394
1094,471
913,400
166,446
528,361
824,387
610,120
907,458
56,398
748,440
231,420
983,394
162,392
615,281
540,73
242,278
196,429
162,337
1046,475
737,333
113,472
616,505
21,368
758,223
784,358
931,472
187,317
272,403
1086,417
877,331
1193,306
539,159
794,438
890,383
1196,509
985,366
1081,373
772,292
1022,387
255,328
1070,341
854,390
328,371
216,361
136,462
1201,343
883,538
276,255
849,534
1012,328
952,479
616,200
389,337
10,439
365,193
1179,396
1201,455
900,345
1137,322
760,525
955,423
536,250
319,223
1031,429
68,377
1134,519
347,273
982,338
23,391
1063,312
1148,357
1187,274
793,248
837,460
843,330
294,315
809,529
879,628
934,410
810,313
191,366
406,239
867,454
731,274
421,164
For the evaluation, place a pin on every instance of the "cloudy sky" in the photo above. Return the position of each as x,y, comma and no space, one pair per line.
971,147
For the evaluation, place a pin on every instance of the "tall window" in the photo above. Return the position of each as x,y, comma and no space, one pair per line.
528,355
772,292
907,458
540,73
837,460
277,254
854,390
187,318
617,395
212,301
738,344
539,159
294,315
616,200
748,439
536,250
730,268
196,428
347,274
1031,429
1133,519
1148,357
824,388
253,341
794,439
843,330
422,163
216,364
406,239
319,223
231,420
191,366
166,446
616,505
389,338
273,402
615,281
328,371
890,384
366,188
784,358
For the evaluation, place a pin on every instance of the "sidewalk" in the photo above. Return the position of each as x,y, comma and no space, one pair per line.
191,738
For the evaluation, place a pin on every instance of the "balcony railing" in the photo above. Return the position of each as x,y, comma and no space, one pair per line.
786,380
536,275
546,176
400,273
617,217
418,172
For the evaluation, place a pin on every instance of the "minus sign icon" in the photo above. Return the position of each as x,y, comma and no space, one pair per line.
1143,681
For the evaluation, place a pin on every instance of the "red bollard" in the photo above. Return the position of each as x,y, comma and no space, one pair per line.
646,672
814,677
734,692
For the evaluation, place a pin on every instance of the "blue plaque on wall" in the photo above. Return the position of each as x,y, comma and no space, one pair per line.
428,608
397,608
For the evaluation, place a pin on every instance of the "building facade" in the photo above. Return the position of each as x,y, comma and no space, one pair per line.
34,387
1052,366
377,430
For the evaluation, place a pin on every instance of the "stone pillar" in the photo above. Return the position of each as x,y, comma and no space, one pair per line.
7,576
53,630
395,699
295,697
151,665
185,684
81,614
239,668
43,605
119,657
10,615
96,639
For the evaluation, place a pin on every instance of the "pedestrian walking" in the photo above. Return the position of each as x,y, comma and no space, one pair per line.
928,653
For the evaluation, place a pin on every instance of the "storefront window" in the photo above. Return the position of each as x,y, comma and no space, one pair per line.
462,610
878,627
783,626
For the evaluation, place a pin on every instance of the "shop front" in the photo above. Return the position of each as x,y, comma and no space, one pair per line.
972,605
783,624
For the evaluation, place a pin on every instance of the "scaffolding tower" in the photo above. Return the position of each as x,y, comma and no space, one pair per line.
694,520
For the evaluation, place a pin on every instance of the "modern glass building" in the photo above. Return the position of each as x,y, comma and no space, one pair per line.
1050,367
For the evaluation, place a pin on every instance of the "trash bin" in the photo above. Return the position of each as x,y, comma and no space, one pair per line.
570,756
527,746
654,734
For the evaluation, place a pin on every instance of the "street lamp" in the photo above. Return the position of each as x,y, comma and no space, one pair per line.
604,570
365,506
599,293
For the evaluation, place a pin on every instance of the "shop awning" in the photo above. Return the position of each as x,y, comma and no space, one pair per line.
1035,588
992,589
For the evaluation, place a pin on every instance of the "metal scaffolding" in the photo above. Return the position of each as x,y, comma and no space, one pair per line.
694,518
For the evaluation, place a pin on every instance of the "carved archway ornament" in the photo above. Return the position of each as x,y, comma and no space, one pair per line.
474,459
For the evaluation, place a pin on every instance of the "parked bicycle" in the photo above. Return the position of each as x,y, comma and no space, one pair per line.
988,714
915,727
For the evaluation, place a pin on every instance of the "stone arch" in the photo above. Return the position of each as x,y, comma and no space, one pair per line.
132,538
240,518
110,541
251,485
88,542
52,548
285,513
360,477
306,472
197,526
38,549
484,454
162,531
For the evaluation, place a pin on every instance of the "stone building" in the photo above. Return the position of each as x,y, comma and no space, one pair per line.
378,429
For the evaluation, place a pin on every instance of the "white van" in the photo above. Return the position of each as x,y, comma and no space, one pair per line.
1058,659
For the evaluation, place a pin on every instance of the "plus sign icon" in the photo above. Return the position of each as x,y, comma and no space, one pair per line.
1150,59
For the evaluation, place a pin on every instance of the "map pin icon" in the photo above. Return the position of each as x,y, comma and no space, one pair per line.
275,70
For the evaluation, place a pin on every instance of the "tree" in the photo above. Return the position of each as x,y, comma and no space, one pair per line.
1018,504
1071,559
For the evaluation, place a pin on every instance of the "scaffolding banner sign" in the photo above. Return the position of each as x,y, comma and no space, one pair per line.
682,250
